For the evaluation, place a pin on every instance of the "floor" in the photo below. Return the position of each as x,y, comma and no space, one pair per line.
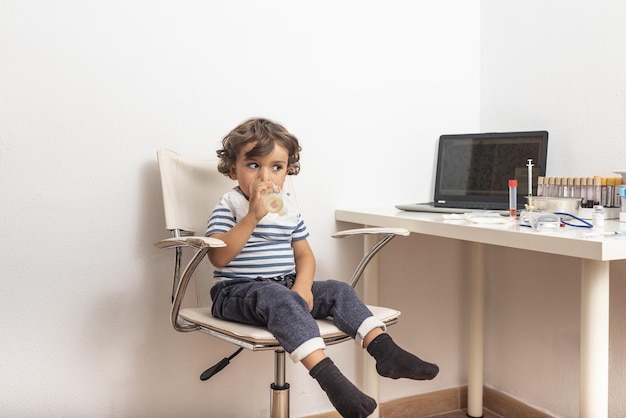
463,414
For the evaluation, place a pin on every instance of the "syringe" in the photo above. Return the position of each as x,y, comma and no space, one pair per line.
530,183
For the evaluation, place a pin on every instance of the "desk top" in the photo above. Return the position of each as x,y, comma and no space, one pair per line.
568,241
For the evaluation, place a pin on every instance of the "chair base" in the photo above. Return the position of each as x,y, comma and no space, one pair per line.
279,402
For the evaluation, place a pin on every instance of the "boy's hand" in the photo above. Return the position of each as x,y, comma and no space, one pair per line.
305,270
258,189
305,293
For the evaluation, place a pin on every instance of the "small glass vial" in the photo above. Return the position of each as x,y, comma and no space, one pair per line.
597,218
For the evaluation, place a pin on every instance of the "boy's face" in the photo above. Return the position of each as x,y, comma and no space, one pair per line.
250,170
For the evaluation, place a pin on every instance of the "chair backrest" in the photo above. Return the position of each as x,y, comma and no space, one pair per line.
191,189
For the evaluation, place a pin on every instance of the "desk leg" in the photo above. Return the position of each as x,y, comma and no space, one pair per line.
594,339
476,254
370,296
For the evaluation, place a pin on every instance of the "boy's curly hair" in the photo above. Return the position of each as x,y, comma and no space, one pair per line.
265,133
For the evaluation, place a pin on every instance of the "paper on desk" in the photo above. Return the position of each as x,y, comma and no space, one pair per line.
479,217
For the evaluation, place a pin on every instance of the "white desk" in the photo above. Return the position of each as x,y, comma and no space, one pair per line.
595,253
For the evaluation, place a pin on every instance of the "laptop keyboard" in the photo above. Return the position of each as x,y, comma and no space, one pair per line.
473,205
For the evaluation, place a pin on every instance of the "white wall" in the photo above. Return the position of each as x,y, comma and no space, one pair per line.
89,91
556,65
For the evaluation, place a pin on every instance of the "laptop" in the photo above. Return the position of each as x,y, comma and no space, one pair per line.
473,171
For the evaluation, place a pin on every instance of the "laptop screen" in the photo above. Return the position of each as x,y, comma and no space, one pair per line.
477,167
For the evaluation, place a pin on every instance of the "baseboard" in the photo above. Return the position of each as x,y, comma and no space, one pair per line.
448,400
426,404
509,407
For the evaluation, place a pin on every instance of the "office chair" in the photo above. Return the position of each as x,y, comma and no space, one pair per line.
191,188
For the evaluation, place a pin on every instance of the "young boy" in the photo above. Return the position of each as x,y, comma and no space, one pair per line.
264,274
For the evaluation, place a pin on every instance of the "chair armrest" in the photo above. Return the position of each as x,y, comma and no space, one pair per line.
197,242
363,231
201,246
387,235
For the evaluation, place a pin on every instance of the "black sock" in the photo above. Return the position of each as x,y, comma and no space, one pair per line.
394,362
347,399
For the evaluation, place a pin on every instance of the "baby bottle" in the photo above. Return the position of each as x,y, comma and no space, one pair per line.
272,201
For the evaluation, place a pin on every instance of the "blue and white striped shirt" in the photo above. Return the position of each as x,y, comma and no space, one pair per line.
268,252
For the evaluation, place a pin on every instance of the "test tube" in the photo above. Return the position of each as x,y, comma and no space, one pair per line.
540,191
610,185
589,192
512,198
583,192
622,195
570,187
577,187
551,188
597,190
604,192
617,200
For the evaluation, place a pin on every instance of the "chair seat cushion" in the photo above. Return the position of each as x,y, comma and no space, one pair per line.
260,335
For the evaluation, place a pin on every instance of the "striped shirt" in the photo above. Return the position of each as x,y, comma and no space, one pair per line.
268,252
